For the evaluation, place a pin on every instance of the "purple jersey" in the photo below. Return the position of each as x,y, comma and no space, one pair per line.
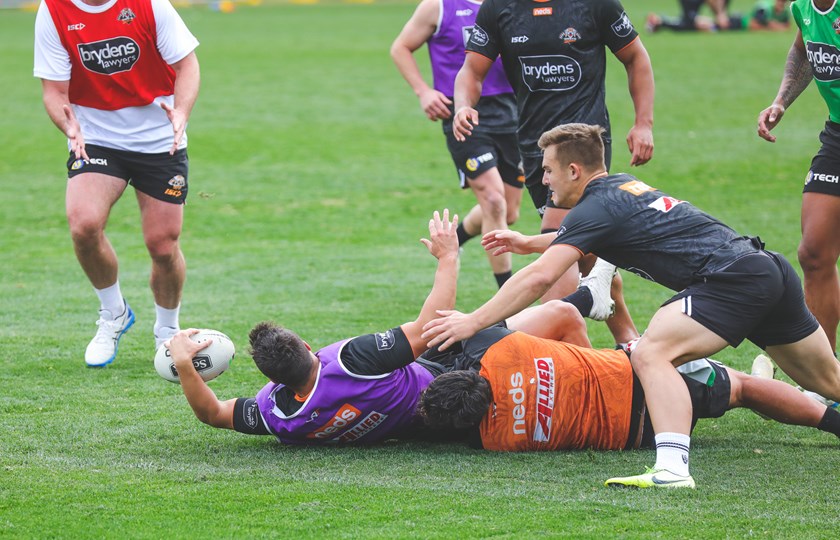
447,47
344,407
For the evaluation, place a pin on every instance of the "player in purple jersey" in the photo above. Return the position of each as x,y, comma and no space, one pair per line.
357,390
489,163
730,288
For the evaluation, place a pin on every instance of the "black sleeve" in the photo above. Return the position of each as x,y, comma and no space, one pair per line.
484,38
247,419
377,354
585,226
615,25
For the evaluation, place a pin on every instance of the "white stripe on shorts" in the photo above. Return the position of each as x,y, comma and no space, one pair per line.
686,305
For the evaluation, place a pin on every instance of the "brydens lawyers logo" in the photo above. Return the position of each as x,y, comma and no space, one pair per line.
622,27
109,56
385,340
550,73
824,59
479,36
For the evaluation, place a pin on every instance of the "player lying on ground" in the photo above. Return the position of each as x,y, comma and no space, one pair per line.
518,392
729,287
361,389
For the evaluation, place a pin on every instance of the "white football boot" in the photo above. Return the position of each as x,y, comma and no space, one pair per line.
102,349
599,282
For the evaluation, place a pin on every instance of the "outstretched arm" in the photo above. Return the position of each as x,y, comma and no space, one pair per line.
443,244
640,80
797,77
56,96
525,287
201,398
417,31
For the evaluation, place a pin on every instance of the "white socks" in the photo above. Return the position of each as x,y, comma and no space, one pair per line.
111,300
672,452
166,318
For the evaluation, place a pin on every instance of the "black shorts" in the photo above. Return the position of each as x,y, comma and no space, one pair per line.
160,176
758,297
824,175
482,151
708,400
532,165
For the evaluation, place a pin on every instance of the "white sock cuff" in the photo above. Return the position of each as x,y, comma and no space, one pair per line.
111,299
166,316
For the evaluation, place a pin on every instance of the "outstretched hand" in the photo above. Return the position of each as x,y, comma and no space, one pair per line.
443,237
179,125
73,131
503,241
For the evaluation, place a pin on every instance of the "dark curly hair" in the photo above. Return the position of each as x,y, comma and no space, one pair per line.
456,400
280,354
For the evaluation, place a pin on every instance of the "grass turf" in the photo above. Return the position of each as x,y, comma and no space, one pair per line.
313,174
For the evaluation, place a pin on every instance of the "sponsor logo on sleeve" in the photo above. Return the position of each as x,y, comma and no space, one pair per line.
824,59
370,422
479,37
109,56
250,413
550,73
665,204
636,187
385,340
545,398
342,418
543,11
622,27
466,32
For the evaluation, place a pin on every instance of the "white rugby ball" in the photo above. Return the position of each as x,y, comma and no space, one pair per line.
209,363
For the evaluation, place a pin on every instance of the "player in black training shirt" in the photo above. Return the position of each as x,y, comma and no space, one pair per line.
730,288
554,55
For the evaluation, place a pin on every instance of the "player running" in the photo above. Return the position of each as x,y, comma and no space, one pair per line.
488,162
730,287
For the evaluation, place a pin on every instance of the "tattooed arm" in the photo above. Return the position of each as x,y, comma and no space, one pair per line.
797,77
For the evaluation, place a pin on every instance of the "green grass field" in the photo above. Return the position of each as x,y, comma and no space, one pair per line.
313,175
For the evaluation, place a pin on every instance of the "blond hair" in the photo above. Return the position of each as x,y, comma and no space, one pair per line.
576,143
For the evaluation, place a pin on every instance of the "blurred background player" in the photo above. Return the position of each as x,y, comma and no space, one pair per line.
771,15
120,78
554,54
489,162
815,54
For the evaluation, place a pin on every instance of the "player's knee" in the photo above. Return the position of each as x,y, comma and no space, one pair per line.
493,204
815,258
162,247
84,228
